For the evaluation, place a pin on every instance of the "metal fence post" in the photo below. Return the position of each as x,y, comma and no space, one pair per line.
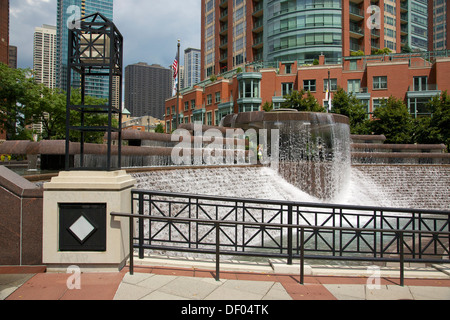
131,246
141,226
402,260
290,237
302,256
217,251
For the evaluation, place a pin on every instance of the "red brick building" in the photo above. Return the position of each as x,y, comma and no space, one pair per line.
438,25
414,78
4,31
235,32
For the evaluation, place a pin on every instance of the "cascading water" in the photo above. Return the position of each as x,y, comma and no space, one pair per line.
314,153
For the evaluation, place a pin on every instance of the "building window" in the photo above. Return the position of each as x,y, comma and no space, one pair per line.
216,117
239,59
309,85
354,86
420,83
209,71
380,82
218,97
249,89
378,103
418,107
249,107
193,104
209,118
186,106
286,88
288,68
209,99
333,85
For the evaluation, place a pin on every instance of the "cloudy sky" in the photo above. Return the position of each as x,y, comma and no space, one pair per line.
150,27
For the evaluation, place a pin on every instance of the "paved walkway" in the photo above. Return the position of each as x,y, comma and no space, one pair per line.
193,283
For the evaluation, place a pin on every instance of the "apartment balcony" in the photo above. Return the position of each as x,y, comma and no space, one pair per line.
258,10
223,58
258,56
363,94
356,47
404,18
356,31
375,33
427,91
224,3
404,30
356,13
224,15
258,42
223,44
258,26
224,29
404,6
226,106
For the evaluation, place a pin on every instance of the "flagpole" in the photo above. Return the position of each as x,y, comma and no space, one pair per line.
178,85
329,91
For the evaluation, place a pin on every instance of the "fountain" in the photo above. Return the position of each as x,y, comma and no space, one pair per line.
315,163
314,148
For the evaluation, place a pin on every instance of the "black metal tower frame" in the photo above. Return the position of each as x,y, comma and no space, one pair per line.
95,50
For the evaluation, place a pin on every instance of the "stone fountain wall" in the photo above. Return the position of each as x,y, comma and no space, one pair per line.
410,186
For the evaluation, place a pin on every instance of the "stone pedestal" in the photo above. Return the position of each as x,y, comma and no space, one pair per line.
77,226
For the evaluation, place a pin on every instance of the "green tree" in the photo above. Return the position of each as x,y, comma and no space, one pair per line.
350,106
357,53
297,100
267,106
435,129
382,51
17,91
394,121
49,108
159,128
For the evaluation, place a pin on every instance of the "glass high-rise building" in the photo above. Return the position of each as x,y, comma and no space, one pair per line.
236,32
192,64
418,25
44,51
302,30
95,86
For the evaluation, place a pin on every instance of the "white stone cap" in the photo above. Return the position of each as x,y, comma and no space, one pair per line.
91,180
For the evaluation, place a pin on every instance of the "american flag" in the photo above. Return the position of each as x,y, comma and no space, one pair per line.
175,67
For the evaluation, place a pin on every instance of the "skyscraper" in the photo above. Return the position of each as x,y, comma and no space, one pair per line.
67,12
238,31
13,57
417,24
146,89
4,31
438,25
44,55
192,64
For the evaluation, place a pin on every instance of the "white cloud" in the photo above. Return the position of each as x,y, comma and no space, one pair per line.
150,27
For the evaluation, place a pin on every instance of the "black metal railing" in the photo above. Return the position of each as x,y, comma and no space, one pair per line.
285,229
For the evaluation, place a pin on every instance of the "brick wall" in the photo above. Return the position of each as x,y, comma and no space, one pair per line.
20,220
4,31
